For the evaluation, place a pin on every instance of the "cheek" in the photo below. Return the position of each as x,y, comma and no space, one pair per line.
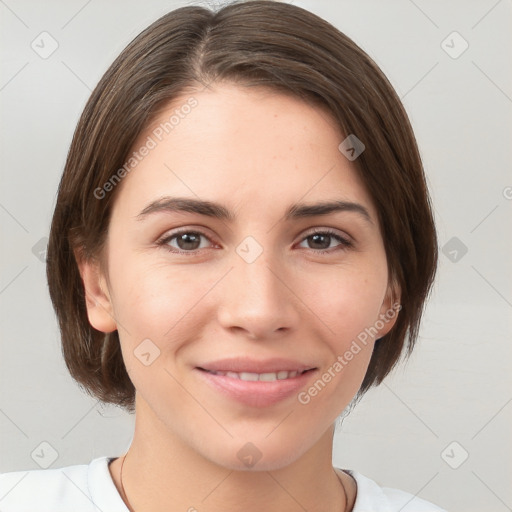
157,311
158,301
346,300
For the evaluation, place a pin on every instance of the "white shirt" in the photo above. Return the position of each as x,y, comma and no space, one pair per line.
90,488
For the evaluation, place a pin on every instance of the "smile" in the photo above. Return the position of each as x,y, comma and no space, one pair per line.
256,389
267,377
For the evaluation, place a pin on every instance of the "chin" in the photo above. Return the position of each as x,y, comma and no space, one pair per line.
258,456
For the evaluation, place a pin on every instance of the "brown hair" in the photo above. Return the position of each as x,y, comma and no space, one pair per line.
260,42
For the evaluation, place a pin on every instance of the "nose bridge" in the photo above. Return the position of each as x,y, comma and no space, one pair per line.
258,280
255,297
255,266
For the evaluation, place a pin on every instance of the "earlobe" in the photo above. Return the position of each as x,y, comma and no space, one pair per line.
97,298
389,310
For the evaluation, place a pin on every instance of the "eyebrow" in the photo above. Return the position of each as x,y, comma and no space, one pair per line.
211,209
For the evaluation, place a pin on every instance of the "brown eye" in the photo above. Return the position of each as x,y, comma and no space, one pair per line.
185,241
320,241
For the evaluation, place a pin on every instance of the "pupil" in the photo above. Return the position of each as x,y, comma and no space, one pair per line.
187,239
315,239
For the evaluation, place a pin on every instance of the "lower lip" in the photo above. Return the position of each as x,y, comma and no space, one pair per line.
256,393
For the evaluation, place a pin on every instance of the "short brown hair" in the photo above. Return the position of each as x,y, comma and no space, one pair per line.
260,42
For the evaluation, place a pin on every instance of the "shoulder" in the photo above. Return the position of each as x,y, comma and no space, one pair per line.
41,490
81,488
371,497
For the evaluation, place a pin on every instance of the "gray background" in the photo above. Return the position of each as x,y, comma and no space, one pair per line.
452,400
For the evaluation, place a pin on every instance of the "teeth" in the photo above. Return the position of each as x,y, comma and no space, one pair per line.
249,376
267,377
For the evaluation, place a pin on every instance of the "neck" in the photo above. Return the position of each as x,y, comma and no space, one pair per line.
308,483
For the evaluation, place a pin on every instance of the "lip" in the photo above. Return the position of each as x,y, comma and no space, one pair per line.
244,364
255,393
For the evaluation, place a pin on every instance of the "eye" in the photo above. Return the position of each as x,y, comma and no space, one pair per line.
190,241
187,241
321,239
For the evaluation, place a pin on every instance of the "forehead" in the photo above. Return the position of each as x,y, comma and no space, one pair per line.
244,146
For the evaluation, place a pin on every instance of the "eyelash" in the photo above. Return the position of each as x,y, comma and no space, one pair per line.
344,242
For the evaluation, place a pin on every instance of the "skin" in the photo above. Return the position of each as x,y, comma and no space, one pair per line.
256,151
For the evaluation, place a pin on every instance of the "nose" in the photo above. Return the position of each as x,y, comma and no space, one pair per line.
257,299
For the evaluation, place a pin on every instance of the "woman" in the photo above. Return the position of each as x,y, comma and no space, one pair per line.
242,246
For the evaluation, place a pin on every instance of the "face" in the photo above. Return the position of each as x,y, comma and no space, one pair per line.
252,294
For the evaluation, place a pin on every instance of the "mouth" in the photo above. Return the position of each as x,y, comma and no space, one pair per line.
264,377
257,390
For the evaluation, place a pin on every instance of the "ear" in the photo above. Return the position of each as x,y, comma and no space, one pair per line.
389,310
97,297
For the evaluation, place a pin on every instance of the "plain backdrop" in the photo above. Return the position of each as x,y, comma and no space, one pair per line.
440,425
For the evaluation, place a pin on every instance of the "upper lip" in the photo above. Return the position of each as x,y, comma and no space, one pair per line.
242,364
